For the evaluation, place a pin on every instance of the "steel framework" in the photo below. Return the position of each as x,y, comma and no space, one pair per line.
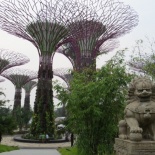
86,60
113,19
10,59
64,73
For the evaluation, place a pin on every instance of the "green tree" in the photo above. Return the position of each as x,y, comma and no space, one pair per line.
7,123
94,105
143,57
23,117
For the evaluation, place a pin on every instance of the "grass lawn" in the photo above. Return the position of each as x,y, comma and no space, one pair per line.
68,151
5,148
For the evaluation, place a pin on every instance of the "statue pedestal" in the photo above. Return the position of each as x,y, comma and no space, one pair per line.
127,147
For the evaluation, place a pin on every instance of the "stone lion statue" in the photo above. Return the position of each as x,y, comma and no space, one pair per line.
139,114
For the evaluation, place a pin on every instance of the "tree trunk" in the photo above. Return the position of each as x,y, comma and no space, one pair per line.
27,102
17,99
43,121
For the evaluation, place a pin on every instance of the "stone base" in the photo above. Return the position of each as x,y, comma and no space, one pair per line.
127,147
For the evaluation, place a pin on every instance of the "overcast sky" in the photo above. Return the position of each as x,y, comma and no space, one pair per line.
146,27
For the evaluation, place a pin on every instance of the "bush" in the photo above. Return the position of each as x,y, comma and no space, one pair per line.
95,104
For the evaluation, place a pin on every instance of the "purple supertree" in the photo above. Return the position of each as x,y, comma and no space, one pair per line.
10,59
113,19
69,52
19,77
28,87
64,73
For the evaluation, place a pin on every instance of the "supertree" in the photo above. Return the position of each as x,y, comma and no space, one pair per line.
113,19
28,87
10,59
44,24
64,73
19,77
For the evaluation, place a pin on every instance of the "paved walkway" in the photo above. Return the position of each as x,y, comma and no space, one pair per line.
32,148
32,152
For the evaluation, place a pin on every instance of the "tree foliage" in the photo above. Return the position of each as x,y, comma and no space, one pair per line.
7,123
143,58
23,117
94,105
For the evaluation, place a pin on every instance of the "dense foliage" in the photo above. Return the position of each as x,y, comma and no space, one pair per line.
7,123
95,104
22,117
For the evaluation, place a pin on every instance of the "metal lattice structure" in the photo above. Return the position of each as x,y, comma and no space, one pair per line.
113,19
64,73
19,77
41,22
69,52
10,59
28,87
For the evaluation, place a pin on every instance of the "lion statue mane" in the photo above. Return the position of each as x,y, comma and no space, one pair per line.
139,114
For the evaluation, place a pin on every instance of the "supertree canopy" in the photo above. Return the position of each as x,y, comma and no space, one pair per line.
86,60
64,73
113,19
19,77
10,59
28,87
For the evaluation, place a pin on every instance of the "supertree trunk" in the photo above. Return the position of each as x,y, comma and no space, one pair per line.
28,87
17,98
27,101
44,107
